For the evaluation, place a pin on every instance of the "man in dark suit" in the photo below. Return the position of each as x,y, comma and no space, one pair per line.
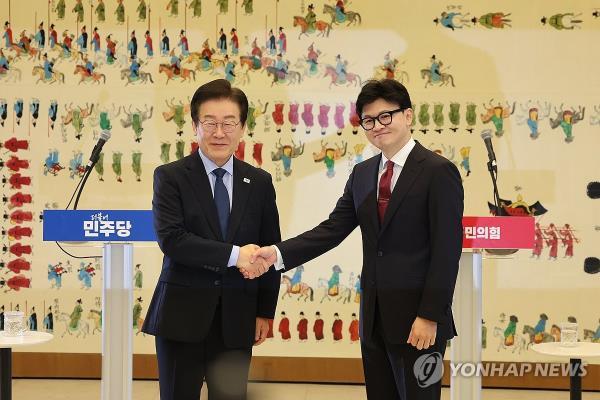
408,202
207,208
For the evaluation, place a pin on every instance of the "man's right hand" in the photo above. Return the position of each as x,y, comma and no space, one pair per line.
259,261
268,254
251,268
246,252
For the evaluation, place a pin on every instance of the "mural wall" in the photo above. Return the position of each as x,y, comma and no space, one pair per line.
70,68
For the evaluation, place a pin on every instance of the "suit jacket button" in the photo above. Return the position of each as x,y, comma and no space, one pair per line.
380,253
217,282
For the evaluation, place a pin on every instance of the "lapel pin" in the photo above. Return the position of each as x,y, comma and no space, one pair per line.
246,180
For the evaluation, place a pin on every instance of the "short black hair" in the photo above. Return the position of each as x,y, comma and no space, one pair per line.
387,89
219,89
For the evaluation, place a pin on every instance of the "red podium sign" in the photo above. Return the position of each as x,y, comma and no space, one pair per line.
498,232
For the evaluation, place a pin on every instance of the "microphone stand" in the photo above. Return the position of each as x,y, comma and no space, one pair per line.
86,175
493,169
88,170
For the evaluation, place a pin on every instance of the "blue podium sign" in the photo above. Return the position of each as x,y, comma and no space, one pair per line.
98,225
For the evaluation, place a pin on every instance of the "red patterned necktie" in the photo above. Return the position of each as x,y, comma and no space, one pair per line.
385,184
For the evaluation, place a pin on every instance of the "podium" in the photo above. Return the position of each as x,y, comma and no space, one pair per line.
479,233
117,230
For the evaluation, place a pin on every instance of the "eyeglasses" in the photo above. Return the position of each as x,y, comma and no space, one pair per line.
384,118
210,126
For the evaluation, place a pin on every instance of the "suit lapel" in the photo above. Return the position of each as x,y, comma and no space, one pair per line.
201,187
241,191
407,178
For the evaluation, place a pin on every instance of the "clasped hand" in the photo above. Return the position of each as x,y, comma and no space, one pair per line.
254,261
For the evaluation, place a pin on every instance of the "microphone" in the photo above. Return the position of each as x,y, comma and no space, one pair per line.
104,136
486,135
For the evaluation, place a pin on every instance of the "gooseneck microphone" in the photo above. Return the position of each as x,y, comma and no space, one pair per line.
94,157
104,136
486,135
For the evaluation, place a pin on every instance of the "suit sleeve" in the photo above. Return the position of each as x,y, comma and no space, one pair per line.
269,234
325,236
175,241
445,232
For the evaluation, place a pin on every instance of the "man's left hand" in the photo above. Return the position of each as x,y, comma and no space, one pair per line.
262,329
422,334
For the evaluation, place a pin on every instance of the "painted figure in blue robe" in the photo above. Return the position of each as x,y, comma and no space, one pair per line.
48,67
134,68
40,36
340,69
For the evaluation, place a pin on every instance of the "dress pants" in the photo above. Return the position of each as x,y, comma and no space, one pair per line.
183,367
388,367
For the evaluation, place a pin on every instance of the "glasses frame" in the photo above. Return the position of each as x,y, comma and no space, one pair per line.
391,113
210,130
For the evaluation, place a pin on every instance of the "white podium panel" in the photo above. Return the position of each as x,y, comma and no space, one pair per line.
117,321
467,310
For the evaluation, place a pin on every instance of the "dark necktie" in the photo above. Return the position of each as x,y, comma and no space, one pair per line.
221,200
385,184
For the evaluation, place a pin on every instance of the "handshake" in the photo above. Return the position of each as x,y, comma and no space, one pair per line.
254,261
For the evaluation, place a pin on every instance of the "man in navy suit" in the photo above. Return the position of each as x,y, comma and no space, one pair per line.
208,207
408,202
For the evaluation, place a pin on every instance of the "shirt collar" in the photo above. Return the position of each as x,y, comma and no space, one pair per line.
210,166
400,157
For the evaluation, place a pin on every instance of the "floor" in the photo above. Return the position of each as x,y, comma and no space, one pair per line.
58,389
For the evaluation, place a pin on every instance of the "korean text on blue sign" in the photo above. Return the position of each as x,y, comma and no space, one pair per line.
99,225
